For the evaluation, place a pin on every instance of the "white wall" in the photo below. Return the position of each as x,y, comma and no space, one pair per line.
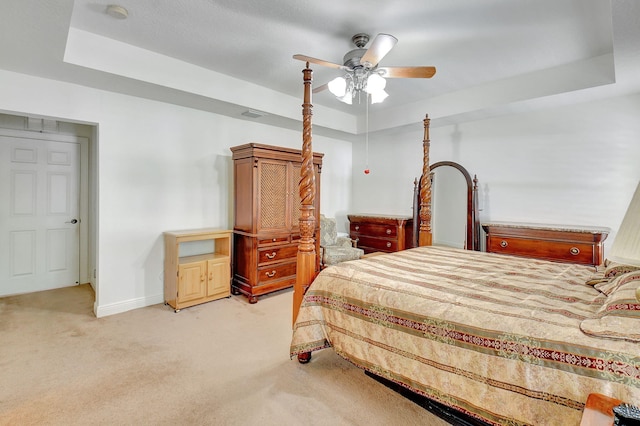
162,167
159,167
574,164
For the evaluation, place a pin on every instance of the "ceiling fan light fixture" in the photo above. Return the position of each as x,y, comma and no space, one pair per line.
362,72
378,96
375,87
375,83
338,86
347,98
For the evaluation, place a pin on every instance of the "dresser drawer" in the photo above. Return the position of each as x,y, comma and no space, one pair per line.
277,253
276,272
377,244
582,245
540,249
374,229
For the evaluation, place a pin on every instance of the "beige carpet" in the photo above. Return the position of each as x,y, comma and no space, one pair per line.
222,363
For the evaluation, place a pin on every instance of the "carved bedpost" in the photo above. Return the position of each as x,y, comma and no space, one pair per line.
306,260
425,190
474,213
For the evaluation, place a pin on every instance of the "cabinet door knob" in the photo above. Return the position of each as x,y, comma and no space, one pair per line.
271,256
574,251
503,243
271,274
357,228
388,231
388,244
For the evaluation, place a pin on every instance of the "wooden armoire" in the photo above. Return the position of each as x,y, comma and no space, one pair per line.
266,218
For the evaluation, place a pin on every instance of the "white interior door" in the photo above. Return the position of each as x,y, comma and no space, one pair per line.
39,214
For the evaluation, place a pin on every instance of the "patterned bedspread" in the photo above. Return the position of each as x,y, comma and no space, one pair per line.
494,336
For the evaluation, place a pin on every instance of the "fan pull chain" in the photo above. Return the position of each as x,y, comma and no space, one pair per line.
366,138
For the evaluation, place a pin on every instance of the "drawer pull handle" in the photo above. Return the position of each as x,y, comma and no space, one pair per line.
271,256
357,227
271,274
388,244
503,243
274,240
388,231
574,251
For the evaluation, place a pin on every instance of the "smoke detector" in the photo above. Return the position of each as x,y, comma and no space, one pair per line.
117,12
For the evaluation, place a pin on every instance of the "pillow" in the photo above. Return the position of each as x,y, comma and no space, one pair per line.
619,317
605,274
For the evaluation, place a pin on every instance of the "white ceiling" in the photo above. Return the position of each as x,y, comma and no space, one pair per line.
228,56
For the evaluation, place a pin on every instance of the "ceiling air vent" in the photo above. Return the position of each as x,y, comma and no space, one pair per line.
252,113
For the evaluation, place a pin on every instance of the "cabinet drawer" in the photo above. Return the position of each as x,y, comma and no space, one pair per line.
276,272
374,229
277,253
540,249
377,243
280,239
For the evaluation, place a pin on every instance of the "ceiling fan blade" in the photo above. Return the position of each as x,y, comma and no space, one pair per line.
320,88
304,58
380,46
407,72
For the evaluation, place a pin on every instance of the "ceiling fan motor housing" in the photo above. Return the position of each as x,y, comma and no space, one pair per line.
352,59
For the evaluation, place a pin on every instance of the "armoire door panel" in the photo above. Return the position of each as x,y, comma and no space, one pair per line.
273,195
244,205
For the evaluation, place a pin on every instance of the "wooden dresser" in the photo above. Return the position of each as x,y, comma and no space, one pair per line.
266,217
381,233
572,244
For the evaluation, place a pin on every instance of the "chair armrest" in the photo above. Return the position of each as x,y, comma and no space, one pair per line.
346,242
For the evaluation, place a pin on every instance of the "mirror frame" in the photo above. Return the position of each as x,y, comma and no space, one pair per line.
473,224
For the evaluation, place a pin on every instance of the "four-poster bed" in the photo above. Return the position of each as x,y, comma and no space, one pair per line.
500,339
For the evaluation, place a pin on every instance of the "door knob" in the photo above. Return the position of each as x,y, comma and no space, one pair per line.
73,221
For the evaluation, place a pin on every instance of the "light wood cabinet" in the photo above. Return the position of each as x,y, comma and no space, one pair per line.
197,266
266,217
572,244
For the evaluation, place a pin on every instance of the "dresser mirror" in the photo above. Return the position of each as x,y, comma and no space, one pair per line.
454,218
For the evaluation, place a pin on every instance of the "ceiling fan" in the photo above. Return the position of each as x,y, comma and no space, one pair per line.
362,73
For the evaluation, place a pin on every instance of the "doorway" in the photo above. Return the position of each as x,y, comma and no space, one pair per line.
44,217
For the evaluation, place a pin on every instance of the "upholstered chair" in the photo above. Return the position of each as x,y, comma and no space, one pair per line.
333,248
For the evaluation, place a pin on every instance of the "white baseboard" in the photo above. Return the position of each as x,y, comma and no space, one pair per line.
127,305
